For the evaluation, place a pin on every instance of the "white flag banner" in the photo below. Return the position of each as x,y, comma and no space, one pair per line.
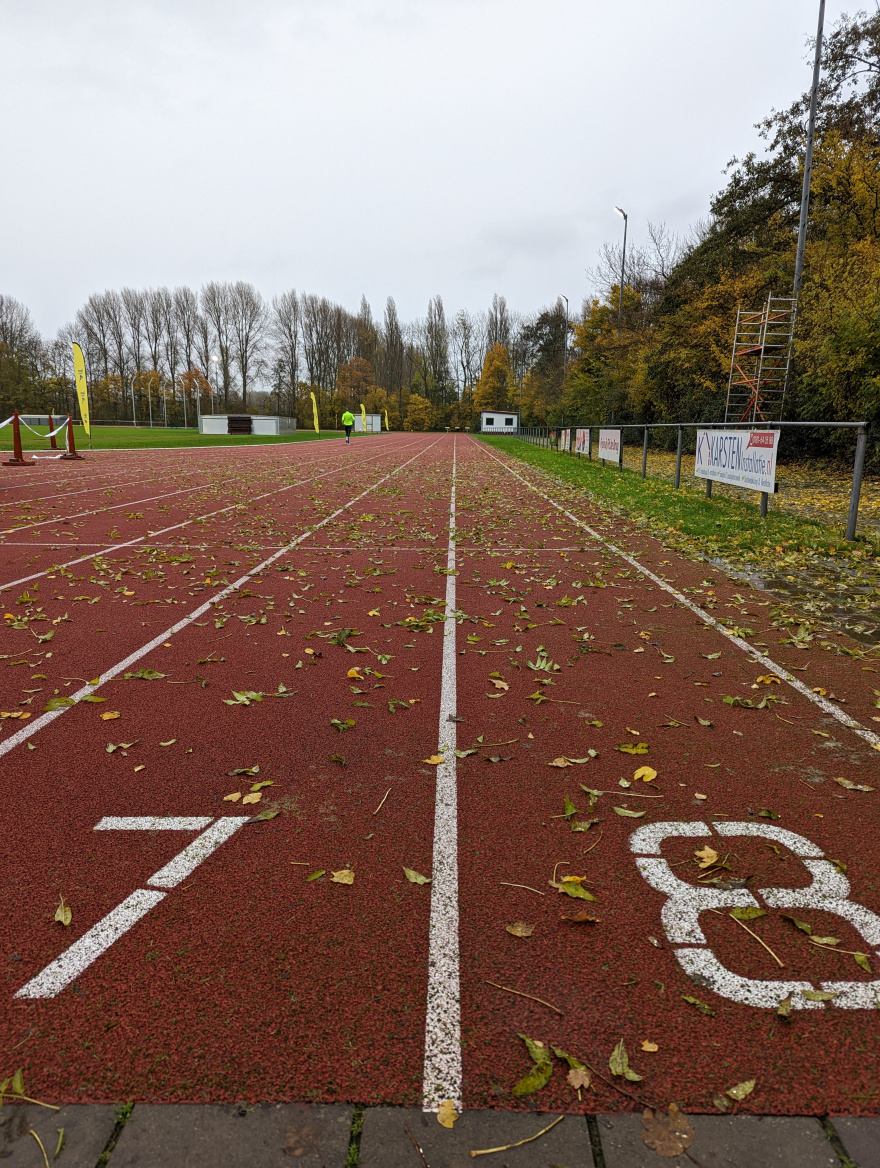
609,445
564,439
581,441
742,458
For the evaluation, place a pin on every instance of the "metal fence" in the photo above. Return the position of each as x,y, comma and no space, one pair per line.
549,437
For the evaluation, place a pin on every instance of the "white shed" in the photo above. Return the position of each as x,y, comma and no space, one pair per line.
374,423
499,422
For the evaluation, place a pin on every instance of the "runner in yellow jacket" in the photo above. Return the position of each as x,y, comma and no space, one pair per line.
348,423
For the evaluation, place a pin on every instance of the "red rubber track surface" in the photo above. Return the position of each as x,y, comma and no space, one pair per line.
247,981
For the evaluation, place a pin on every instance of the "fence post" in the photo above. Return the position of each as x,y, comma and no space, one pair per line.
708,488
858,471
678,460
645,454
52,441
18,458
589,443
763,504
620,456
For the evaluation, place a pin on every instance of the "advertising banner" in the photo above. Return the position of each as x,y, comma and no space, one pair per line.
564,439
742,458
581,441
82,393
609,445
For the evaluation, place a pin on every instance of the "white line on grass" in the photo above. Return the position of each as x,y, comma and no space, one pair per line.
151,535
845,720
107,675
442,1073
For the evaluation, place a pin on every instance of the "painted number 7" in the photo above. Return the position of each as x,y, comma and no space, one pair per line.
75,960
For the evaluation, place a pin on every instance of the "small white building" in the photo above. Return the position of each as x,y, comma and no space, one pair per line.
499,422
374,423
246,424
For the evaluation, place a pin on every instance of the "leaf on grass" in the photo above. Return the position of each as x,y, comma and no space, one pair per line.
316,875
851,786
706,857
748,913
632,748
741,1090
434,760
63,913
701,1006
145,675
520,929
109,715
416,877
578,915
446,1113
667,1133
645,773
254,797
343,876
540,1074
630,814
619,1064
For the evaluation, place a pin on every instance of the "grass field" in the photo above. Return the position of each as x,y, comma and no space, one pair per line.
143,438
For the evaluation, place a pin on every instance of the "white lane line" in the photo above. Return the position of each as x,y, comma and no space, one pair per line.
153,823
151,535
795,682
189,859
442,1072
85,491
75,960
44,719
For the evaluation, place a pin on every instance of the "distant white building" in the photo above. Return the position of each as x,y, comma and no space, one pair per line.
374,423
499,422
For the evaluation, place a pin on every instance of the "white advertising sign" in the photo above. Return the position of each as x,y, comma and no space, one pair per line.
742,458
581,441
609,445
564,439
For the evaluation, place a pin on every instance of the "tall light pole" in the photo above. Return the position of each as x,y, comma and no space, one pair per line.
215,361
625,219
564,341
808,158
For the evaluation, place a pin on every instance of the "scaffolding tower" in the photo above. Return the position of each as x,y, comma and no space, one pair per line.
760,360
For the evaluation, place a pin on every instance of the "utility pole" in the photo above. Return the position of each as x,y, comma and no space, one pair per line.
625,219
808,158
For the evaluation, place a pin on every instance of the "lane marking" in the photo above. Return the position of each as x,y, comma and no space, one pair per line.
107,674
186,523
82,953
851,724
442,1073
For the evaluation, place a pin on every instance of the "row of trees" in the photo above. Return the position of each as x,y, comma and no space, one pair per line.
157,351
156,354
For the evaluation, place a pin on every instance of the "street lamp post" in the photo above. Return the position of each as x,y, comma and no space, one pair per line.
133,410
808,159
625,219
215,361
564,340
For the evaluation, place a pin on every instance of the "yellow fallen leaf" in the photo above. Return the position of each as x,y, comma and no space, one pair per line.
142,767
434,760
63,913
707,856
128,594
254,797
559,762
110,715
741,1090
649,1046
310,652
697,795
646,773
499,684
446,1113
343,876
373,612
233,798
355,674
520,929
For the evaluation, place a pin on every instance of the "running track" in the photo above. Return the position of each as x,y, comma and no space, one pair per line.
202,963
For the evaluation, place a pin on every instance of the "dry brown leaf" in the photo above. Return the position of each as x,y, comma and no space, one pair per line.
343,876
110,715
706,856
697,795
233,798
520,929
446,1113
253,797
499,684
559,762
667,1133
578,915
649,1046
579,1079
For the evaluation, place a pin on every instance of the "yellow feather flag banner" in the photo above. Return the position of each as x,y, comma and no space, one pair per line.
315,411
82,391
363,417
387,427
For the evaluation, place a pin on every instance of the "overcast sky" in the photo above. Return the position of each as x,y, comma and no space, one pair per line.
385,147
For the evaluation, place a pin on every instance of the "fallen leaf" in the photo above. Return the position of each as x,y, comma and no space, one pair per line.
706,856
569,808
632,748
698,795
140,768
110,715
818,995
748,913
170,742
619,1064
145,674
645,773
741,1090
578,915
375,612
60,703
703,721
316,875
255,797
446,1113
500,684
354,673
63,913
416,877
711,656
667,1133
520,929
343,876
233,798
628,813
434,760
342,724
701,1006
802,925
861,960
784,1007
93,698
540,1074
571,886
649,1046
579,1078
559,762
850,786
720,1102
264,783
